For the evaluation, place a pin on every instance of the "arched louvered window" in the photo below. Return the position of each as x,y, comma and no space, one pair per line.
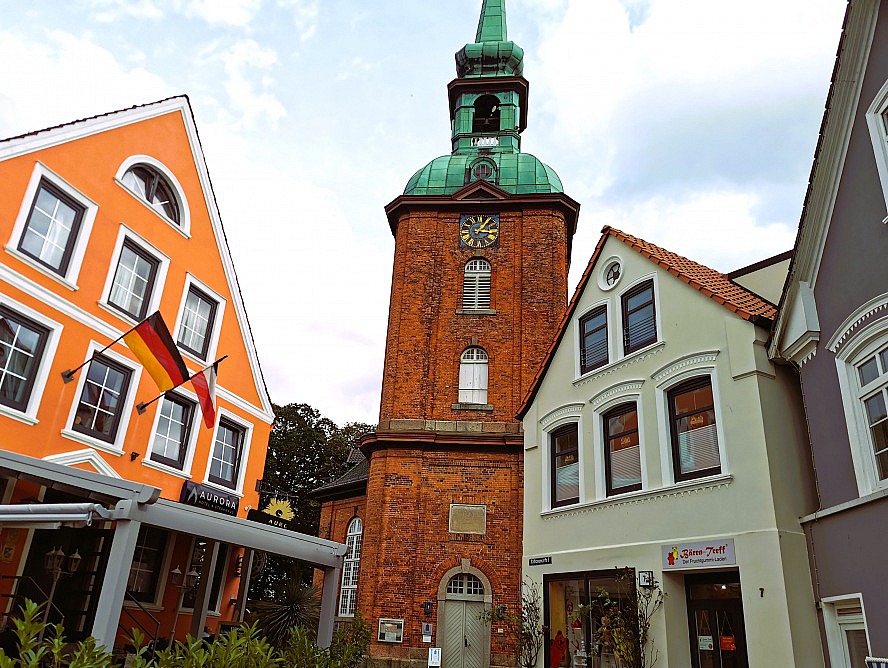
348,592
473,376
476,285
152,187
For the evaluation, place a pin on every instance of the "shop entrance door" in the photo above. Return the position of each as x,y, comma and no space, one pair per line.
715,621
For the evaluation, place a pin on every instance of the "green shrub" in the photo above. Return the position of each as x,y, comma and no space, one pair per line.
41,645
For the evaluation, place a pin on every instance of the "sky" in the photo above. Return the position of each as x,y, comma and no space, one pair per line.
689,123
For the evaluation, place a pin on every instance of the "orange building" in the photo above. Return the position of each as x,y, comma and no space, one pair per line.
114,517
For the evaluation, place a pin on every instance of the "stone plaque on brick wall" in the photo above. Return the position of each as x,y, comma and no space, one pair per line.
467,518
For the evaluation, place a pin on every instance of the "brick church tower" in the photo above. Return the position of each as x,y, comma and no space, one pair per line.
482,248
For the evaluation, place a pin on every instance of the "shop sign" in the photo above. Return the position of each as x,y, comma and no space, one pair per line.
727,643
208,498
705,642
276,513
699,555
390,630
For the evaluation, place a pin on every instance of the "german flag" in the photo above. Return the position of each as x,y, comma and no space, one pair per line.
154,347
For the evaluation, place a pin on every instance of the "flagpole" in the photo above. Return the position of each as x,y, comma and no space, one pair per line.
68,374
142,407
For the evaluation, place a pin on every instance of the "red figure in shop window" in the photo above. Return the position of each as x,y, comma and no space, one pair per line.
557,650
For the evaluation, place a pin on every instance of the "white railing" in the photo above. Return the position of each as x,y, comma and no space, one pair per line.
485,141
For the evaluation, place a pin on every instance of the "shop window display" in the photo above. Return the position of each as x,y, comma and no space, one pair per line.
591,618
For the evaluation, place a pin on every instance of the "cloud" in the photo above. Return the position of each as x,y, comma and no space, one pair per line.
76,79
304,14
241,60
238,13
107,11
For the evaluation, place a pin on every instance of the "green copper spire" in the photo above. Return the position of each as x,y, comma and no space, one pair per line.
492,23
491,55
488,112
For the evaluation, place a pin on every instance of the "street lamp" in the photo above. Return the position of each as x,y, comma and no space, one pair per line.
189,583
58,565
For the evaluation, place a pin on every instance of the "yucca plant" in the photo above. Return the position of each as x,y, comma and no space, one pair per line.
299,606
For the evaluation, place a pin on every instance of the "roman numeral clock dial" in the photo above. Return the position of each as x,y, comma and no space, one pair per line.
479,230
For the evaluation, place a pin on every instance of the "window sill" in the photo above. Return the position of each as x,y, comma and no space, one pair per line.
179,473
233,491
6,411
476,311
46,271
631,358
472,407
642,496
92,442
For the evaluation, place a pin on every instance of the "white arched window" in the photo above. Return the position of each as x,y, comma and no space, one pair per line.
476,285
348,593
473,376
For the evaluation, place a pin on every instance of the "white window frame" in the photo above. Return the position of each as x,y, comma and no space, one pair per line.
184,224
668,382
127,403
238,421
78,250
477,282
566,415
861,344
599,445
478,387
352,556
190,439
877,121
835,624
163,264
29,415
213,334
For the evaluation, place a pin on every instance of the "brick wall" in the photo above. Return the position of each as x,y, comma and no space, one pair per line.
426,335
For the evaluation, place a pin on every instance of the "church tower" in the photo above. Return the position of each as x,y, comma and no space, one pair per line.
479,284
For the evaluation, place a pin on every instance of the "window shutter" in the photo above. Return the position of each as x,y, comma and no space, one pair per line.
567,481
626,467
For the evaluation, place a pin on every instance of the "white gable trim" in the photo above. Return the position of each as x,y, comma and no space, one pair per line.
87,456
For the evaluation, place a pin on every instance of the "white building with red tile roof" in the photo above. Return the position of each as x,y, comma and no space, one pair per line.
660,438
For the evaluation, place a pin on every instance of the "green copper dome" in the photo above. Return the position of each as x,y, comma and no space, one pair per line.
516,173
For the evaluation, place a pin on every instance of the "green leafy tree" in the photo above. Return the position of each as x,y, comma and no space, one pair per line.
305,450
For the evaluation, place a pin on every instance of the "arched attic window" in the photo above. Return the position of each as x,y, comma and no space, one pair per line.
487,114
154,184
151,186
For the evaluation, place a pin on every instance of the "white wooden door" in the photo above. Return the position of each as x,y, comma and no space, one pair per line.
464,644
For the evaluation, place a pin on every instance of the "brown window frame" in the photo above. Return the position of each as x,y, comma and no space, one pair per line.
628,345
70,242
683,388
622,409
585,367
211,323
42,333
184,442
574,428
149,288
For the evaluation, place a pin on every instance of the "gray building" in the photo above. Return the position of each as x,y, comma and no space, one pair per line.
833,325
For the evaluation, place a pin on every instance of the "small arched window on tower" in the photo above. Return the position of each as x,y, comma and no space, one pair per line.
348,592
476,285
151,186
487,114
473,376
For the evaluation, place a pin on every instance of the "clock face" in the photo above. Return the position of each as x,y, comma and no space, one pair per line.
479,230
